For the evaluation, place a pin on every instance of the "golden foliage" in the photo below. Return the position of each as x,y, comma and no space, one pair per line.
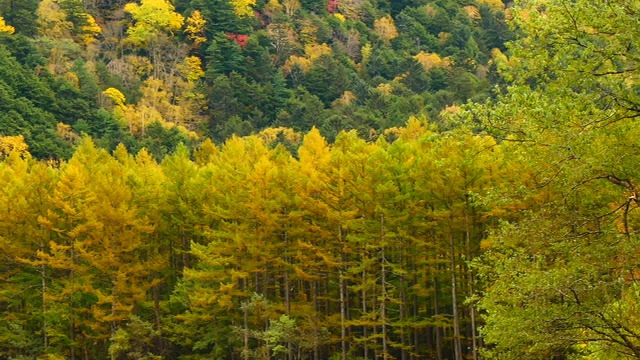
430,10
315,51
6,28
429,60
291,6
243,8
386,28
366,52
195,28
495,5
508,14
90,30
346,99
191,68
444,37
501,61
152,16
312,53
72,78
451,110
308,32
270,135
9,144
52,20
385,88
293,61
116,95
400,77
66,133
340,17
351,9
272,8
473,12
157,104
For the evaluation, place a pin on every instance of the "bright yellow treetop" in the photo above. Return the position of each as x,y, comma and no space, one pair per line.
4,28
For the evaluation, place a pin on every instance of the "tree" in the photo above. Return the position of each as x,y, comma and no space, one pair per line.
243,8
27,322
6,28
152,17
574,72
386,28
52,20
195,28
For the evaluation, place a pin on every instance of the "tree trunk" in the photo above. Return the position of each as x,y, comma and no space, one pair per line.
383,304
457,344
245,349
316,334
472,309
287,285
343,308
364,308
43,279
436,312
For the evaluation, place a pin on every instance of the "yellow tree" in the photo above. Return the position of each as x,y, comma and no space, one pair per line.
243,8
152,17
4,27
26,186
98,249
222,261
52,20
195,28
386,28
154,22
291,6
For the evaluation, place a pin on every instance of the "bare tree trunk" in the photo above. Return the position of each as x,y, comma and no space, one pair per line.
414,312
383,304
113,312
457,344
436,311
43,279
316,350
403,310
287,291
343,328
472,309
343,308
72,325
245,349
364,307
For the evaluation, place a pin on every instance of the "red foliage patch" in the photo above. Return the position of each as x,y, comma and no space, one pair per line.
332,6
240,39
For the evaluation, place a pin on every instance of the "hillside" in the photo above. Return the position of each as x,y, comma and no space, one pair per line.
153,74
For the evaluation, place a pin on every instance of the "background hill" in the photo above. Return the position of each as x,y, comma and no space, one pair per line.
156,73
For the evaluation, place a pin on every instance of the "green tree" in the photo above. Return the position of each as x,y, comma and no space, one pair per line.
561,278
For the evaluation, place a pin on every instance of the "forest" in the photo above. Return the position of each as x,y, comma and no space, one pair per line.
315,179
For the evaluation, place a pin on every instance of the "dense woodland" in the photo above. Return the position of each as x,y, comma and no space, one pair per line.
156,73
306,179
